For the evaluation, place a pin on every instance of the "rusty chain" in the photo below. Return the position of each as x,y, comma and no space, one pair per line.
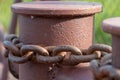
18,52
99,55
103,69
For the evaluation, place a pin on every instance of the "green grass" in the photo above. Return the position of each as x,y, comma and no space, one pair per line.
111,8
5,13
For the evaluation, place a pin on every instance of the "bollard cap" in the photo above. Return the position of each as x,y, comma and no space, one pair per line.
112,25
58,8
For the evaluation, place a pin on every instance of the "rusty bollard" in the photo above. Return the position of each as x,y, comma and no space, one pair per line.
13,23
12,30
3,61
112,26
52,24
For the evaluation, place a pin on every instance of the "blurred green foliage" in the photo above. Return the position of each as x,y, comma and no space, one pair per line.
111,8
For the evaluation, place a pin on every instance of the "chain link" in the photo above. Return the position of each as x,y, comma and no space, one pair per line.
99,56
103,69
18,52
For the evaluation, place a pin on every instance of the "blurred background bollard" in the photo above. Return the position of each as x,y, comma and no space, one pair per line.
13,23
112,26
3,61
52,24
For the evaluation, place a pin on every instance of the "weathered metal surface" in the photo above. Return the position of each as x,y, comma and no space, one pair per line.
112,26
56,8
12,30
13,24
57,23
100,55
103,69
51,54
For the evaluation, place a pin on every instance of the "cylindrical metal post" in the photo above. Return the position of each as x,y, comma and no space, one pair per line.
52,24
2,60
12,30
13,23
112,26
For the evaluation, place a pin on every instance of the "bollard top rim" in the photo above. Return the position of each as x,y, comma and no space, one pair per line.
112,25
58,8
